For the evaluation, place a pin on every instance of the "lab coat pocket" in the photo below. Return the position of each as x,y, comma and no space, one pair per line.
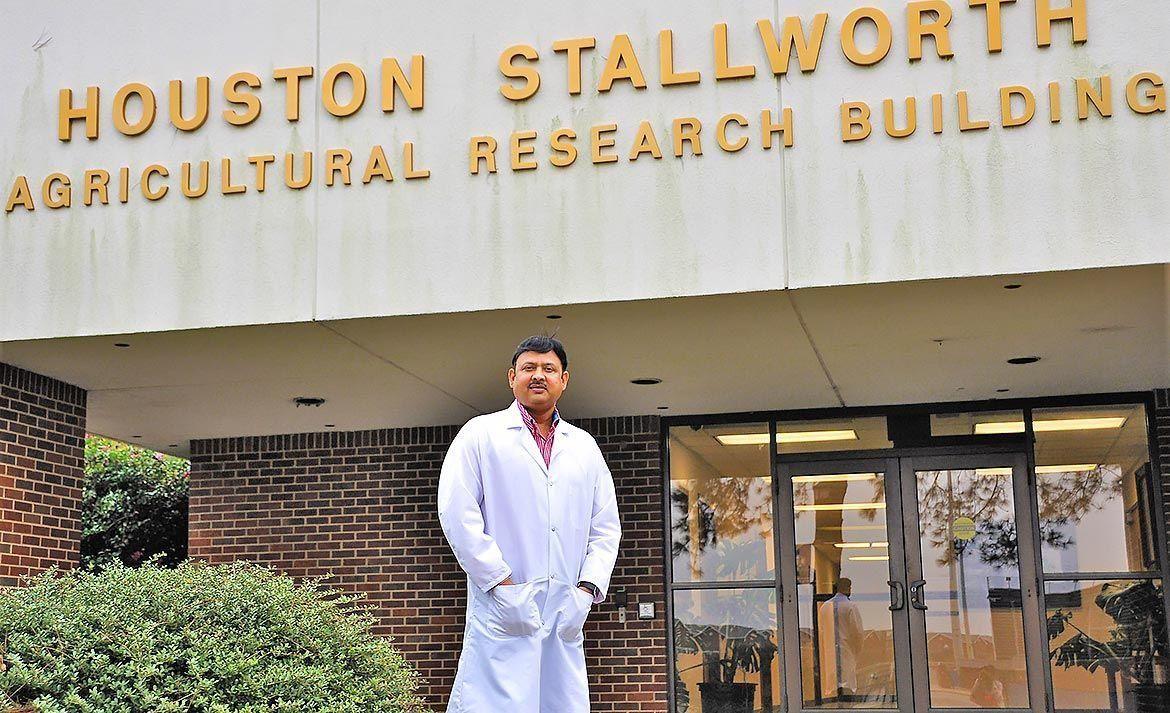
577,611
512,610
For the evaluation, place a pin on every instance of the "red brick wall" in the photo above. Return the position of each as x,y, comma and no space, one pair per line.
42,453
362,505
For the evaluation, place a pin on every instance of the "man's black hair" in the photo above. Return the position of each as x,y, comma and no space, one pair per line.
542,345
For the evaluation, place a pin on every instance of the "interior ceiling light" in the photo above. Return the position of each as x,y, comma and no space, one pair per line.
836,478
650,381
853,528
840,506
1048,426
993,471
1043,469
870,558
121,345
1078,468
761,439
860,545
552,316
308,401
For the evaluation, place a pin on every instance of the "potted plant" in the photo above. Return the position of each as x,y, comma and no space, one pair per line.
728,650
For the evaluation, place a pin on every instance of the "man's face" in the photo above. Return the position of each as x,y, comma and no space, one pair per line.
538,380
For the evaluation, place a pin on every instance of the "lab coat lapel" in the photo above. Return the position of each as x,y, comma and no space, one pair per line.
559,442
526,441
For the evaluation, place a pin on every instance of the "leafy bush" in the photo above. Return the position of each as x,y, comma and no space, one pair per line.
134,505
222,639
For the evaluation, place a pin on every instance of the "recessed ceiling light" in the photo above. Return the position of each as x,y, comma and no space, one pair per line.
552,316
761,439
840,506
1023,360
1075,468
1048,426
308,401
1043,469
646,381
834,478
870,558
122,345
1012,286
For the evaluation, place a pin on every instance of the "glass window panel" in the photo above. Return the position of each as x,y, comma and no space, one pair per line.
843,434
975,423
974,620
721,504
1107,645
1092,472
726,647
842,560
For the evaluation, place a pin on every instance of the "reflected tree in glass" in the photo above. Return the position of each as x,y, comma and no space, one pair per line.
1134,655
988,500
729,515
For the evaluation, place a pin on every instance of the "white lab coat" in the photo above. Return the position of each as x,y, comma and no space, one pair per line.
841,636
505,514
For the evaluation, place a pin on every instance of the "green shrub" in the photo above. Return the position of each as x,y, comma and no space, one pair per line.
222,639
133,505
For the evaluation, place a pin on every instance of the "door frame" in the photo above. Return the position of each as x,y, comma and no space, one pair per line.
898,465
1028,568
786,469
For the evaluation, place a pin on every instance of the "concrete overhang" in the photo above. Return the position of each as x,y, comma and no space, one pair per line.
945,340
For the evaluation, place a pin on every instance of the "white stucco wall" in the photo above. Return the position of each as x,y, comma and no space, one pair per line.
1034,198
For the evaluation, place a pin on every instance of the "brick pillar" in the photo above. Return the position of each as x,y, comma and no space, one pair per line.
363,505
42,464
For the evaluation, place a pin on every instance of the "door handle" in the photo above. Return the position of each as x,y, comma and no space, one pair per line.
897,595
917,596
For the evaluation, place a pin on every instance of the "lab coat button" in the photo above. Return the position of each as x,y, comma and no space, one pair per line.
554,529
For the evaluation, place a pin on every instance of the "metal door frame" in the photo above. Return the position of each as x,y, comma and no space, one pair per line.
1035,646
886,465
902,524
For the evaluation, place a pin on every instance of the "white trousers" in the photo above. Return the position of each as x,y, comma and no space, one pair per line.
523,650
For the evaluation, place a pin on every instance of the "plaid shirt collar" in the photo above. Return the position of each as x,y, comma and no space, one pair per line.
545,444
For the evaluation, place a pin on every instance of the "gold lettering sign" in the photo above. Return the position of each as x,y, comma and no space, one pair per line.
618,65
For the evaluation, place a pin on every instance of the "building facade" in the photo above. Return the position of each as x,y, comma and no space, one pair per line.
866,305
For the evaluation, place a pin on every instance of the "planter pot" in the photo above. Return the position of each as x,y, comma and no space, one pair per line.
727,697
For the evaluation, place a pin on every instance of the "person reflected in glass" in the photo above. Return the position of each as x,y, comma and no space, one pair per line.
988,691
841,635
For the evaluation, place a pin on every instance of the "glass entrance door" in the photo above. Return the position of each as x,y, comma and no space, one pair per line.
909,584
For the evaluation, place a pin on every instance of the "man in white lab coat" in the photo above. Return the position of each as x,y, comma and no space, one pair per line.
527,504
841,636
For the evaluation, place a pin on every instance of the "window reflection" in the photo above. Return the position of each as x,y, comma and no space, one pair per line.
1092,471
721,504
1107,645
970,561
726,644
842,568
